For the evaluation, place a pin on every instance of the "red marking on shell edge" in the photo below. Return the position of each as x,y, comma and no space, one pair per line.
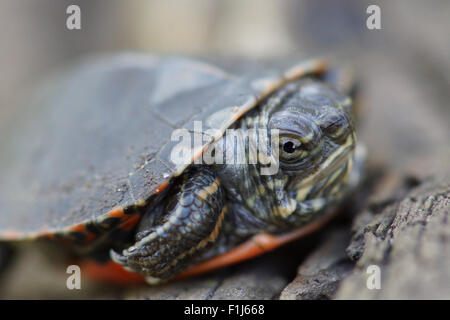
50,236
161,187
82,229
130,223
116,212
198,154
110,272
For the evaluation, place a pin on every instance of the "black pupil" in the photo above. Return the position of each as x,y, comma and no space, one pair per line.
289,147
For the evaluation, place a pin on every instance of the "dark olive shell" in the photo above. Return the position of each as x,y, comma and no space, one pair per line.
95,142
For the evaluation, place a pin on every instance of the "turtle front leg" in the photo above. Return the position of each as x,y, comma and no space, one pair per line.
184,225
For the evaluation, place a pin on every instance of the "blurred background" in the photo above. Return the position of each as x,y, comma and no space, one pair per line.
403,69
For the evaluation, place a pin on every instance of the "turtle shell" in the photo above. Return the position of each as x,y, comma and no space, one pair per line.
93,146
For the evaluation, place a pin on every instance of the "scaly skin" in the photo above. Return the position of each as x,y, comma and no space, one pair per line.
212,208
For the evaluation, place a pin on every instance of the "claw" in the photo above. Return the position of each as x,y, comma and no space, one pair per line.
122,259
153,280
118,258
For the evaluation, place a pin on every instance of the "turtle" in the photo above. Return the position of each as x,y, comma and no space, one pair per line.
93,162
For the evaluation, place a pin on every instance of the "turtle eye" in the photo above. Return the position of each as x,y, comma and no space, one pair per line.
291,149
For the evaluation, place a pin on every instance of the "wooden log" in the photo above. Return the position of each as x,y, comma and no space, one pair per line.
409,240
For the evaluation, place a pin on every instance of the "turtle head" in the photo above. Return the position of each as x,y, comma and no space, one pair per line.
316,144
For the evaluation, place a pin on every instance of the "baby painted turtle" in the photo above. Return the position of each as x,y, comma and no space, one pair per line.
89,162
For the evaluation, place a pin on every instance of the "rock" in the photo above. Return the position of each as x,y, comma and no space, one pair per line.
243,282
256,281
409,240
319,276
201,288
38,271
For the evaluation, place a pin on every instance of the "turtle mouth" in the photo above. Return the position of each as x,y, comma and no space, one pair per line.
337,159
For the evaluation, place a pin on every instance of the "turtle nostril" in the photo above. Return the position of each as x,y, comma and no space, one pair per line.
331,128
336,126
